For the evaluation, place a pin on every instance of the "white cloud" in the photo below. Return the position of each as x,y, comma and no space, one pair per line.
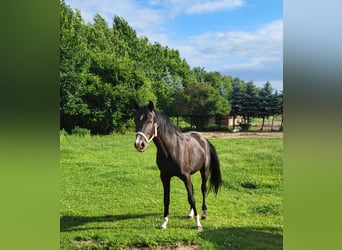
209,6
176,7
265,43
140,17
149,17
238,53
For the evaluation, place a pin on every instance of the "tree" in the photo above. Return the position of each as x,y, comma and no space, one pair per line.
280,106
74,65
236,99
203,101
266,102
250,102
214,79
199,74
226,86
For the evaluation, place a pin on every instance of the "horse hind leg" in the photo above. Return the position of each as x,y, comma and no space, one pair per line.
204,175
191,211
191,199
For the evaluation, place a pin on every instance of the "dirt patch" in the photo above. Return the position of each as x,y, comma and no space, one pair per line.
82,243
178,246
255,134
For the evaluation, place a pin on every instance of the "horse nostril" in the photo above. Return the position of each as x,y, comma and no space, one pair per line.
142,145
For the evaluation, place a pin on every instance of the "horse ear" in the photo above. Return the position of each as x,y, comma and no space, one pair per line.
150,106
136,105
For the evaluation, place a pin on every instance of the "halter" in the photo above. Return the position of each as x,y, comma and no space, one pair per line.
153,136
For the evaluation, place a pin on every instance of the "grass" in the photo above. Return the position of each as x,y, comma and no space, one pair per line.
112,197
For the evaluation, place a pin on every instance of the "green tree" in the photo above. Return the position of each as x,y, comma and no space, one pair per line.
250,102
214,79
74,66
280,109
236,99
226,86
199,74
203,102
266,102
277,107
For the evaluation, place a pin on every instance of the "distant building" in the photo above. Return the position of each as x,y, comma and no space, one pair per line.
225,120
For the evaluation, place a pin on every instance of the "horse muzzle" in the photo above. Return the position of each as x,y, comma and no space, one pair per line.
140,144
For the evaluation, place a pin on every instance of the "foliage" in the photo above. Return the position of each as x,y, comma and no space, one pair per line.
112,197
249,101
245,126
103,70
77,131
202,102
207,128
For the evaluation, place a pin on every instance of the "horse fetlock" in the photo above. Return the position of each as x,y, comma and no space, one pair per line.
204,215
191,213
198,223
163,225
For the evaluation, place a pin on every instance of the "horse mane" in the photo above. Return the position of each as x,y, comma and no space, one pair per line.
165,124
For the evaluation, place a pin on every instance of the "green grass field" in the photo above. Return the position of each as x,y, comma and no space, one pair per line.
112,197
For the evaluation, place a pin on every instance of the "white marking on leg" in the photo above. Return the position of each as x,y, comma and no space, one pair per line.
198,223
191,213
166,220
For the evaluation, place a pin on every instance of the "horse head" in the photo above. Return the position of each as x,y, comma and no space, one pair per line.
145,125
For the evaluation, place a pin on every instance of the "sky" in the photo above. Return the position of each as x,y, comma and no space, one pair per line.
240,38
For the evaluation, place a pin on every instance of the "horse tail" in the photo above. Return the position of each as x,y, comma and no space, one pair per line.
215,172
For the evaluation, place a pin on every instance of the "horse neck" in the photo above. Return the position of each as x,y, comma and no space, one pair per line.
164,137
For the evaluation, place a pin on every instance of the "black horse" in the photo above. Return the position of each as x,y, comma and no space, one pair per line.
178,154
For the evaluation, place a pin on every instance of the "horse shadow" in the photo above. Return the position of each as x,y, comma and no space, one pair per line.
71,223
244,237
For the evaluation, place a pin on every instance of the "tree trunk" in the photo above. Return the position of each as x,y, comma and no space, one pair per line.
263,122
281,123
272,123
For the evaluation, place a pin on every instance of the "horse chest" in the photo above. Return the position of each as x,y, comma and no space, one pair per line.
169,165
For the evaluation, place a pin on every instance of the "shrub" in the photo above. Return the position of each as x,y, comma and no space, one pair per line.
208,128
63,132
245,126
80,131
215,127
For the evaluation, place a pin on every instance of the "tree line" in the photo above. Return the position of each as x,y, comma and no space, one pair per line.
103,70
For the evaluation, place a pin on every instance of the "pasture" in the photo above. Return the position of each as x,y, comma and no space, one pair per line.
112,197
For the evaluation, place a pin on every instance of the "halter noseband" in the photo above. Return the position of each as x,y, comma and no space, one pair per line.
153,136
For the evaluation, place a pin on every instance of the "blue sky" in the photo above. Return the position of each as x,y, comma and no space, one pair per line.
241,38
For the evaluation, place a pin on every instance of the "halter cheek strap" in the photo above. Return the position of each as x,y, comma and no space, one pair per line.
153,136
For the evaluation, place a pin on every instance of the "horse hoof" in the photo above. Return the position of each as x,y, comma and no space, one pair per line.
190,216
204,217
199,228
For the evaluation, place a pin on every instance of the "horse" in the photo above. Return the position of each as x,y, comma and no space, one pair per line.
178,154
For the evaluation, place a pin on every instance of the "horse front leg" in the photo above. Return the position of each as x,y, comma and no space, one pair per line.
166,185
